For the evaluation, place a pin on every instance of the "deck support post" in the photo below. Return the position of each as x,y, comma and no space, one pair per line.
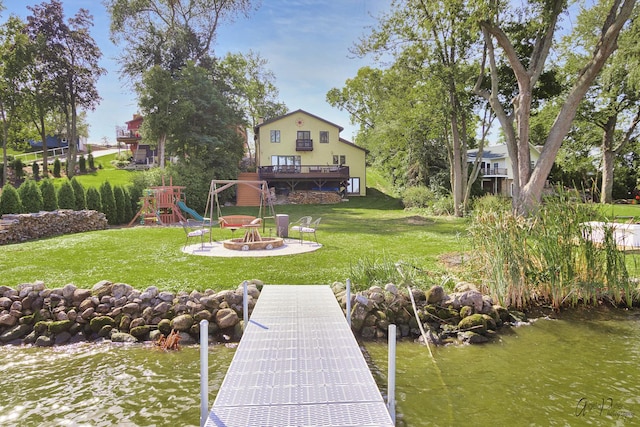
349,303
391,373
204,371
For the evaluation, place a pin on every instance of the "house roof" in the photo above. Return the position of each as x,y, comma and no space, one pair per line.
495,152
296,112
353,145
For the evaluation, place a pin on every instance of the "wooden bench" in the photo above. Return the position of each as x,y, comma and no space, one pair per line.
234,222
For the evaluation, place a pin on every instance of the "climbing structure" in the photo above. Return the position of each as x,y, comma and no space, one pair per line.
159,205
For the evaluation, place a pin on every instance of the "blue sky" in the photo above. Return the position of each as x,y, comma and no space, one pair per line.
305,41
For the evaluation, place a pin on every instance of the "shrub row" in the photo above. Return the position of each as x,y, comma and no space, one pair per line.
116,203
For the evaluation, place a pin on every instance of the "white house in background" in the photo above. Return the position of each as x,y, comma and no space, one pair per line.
496,169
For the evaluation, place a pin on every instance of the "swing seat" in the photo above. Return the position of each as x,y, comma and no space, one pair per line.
234,222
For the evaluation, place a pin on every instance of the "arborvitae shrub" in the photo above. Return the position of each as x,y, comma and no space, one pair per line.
118,196
79,193
93,199
49,198
35,169
66,198
128,210
30,196
10,200
18,168
82,164
108,203
56,168
92,166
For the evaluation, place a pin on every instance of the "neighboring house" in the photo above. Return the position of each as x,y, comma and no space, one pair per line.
300,151
130,135
58,141
496,169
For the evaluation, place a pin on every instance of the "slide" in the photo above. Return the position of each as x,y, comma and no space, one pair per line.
194,214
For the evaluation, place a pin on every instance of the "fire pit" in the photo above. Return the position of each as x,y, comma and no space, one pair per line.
243,245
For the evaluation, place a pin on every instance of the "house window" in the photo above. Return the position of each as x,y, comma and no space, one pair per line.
286,163
354,186
304,134
324,136
275,136
339,160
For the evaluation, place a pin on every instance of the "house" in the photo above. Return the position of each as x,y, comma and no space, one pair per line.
130,136
301,151
496,169
58,141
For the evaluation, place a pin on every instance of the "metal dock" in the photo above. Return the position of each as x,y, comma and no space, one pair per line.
298,364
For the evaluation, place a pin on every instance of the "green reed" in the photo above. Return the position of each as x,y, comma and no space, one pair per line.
548,258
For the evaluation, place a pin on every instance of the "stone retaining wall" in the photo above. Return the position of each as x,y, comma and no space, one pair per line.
16,228
33,314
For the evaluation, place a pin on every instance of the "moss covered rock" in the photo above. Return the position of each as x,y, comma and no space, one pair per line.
140,332
59,326
466,311
476,323
164,326
97,323
435,295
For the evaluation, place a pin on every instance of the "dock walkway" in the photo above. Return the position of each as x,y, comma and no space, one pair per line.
298,364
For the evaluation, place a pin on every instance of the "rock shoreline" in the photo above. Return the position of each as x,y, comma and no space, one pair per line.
35,314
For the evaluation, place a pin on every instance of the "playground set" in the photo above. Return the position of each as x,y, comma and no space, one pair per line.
165,204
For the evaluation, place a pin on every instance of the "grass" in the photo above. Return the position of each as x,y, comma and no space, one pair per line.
371,228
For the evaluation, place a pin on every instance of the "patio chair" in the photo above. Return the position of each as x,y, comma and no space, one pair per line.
199,232
297,226
310,229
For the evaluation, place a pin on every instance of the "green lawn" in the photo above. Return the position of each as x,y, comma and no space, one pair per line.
372,229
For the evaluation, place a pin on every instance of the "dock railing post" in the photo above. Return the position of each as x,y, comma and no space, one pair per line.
349,303
391,374
204,371
245,305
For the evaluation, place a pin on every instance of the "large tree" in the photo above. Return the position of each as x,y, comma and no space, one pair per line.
541,19
65,70
15,55
168,35
253,88
437,40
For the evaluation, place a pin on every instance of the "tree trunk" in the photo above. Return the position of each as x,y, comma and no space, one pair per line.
161,148
532,191
608,157
5,138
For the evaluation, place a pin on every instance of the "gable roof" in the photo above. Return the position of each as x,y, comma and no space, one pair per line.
296,112
344,141
495,152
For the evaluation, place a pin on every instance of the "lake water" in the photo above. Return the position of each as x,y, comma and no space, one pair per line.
583,369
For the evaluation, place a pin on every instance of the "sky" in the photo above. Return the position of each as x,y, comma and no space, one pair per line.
306,44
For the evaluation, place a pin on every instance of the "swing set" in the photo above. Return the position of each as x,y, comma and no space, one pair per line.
234,222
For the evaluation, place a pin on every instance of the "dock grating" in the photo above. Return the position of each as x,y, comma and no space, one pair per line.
298,364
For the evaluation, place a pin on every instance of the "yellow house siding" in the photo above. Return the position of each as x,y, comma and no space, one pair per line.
322,153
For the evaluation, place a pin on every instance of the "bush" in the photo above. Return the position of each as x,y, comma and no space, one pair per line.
93,199
35,168
30,196
92,166
56,168
108,203
49,198
79,193
18,168
118,196
82,164
417,197
443,206
128,207
10,200
491,203
66,198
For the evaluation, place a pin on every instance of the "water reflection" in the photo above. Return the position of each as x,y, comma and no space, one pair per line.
105,385
580,369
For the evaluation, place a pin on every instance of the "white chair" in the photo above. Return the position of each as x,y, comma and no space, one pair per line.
297,226
200,232
310,229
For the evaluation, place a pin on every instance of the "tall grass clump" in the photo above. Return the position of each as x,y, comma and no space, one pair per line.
549,257
371,271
